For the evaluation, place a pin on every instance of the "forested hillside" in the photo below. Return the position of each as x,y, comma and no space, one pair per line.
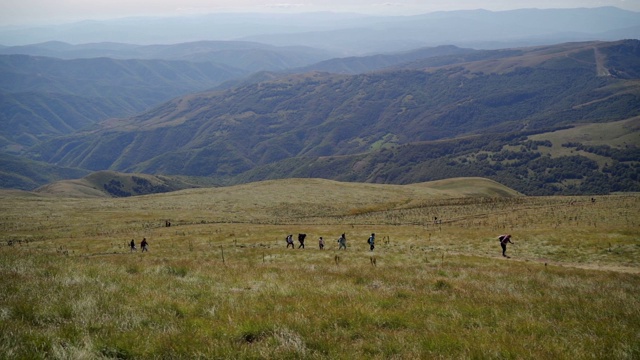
465,114
521,161
313,115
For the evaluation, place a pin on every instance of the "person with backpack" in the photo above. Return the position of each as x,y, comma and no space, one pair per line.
504,239
289,240
143,245
371,241
301,240
342,242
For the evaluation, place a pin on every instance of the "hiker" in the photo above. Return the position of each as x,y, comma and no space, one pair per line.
143,245
301,240
342,241
290,241
371,241
132,244
504,239
321,243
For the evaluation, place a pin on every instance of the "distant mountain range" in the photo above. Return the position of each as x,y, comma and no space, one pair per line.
239,55
479,29
475,111
351,34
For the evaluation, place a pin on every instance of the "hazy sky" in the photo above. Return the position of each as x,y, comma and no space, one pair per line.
19,12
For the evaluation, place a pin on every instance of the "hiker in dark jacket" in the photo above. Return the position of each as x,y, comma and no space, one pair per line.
342,242
301,240
371,241
504,239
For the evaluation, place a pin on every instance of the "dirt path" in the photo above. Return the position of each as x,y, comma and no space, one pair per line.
601,70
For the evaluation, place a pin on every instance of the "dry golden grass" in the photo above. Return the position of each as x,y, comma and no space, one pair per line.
219,282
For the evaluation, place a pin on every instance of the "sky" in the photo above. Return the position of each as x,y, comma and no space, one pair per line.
36,12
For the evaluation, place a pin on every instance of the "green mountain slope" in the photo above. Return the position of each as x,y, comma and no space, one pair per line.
41,97
586,159
275,128
31,117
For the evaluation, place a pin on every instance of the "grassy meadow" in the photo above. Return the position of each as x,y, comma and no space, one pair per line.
219,282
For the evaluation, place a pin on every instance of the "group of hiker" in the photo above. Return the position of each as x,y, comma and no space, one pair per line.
144,245
342,241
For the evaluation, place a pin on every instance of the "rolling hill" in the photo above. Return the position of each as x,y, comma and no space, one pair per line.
114,184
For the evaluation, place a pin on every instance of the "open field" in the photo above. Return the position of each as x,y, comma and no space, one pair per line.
219,282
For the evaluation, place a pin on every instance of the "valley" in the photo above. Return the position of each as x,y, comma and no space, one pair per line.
487,113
